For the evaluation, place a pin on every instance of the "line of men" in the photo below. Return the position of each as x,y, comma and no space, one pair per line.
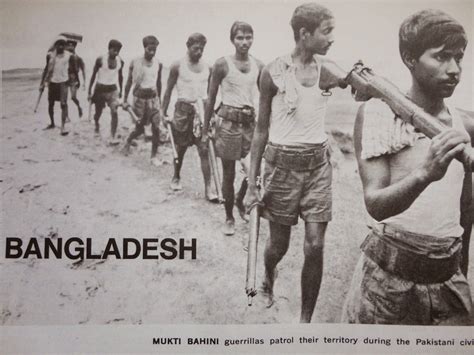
414,264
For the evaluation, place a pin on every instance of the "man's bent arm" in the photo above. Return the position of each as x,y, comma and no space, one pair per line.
383,199
97,65
172,79
260,137
120,77
158,81
128,84
219,71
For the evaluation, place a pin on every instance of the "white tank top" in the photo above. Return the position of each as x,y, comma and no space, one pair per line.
306,123
436,211
192,86
145,76
239,89
107,76
60,69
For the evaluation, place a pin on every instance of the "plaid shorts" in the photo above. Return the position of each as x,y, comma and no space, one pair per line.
147,110
307,193
377,296
106,94
58,92
233,139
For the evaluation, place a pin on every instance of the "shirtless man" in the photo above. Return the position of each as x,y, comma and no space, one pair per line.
298,174
59,65
237,76
409,272
145,75
74,82
191,76
108,69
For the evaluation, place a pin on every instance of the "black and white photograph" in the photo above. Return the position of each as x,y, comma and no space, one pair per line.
236,176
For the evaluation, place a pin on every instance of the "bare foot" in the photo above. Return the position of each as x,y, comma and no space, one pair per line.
266,289
50,126
175,185
229,227
241,208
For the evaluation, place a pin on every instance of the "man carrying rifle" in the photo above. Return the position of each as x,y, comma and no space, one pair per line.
145,75
237,76
59,66
409,270
298,173
190,76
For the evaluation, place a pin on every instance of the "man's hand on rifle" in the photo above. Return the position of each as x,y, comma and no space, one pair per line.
41,87
125,105
166,118
253,197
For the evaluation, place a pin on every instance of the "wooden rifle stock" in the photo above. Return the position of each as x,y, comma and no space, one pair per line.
38,101
173,147
212,154
215,170
365,84
250,286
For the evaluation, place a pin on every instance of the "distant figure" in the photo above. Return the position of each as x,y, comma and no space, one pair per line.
237,76
108,69
145,75
59,66
74,82
190,76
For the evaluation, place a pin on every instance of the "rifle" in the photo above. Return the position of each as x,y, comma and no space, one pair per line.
128,108
173,147
365,85
89,116
212,154
250,285
38,101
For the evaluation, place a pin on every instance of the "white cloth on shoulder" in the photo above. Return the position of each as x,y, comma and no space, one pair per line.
383,132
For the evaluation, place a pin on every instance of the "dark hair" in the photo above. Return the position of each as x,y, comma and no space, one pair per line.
196,38
239,26
308,16
70,41
60,40
113,43
150,40
429,29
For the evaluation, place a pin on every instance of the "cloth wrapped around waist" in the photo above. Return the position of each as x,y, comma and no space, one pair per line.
244,115
297,158
414,257
144,93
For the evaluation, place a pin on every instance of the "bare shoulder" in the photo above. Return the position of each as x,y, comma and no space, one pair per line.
260,64
174,68
220,66
468,120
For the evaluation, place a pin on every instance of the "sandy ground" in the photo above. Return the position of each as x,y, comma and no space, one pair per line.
78,186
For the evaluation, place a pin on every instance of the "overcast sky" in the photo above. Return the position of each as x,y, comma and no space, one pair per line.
365,30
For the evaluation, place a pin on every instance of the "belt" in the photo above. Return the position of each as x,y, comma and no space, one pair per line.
395,256
185,106
297,159
144,93
244,114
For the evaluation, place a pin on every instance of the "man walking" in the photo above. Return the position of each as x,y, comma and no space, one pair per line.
298,174
237,77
